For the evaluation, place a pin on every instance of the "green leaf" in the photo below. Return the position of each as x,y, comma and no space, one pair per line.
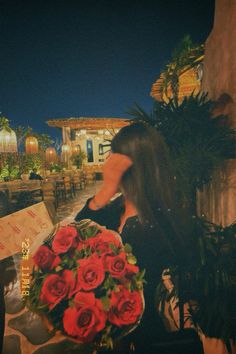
113,248
128,248
105,302
131,259
109,283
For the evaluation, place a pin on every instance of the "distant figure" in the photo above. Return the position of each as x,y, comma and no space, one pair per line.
35,175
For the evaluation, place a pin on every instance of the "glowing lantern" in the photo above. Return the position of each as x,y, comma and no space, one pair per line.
51,155
65,148
76,149
65,152
8,142
31,145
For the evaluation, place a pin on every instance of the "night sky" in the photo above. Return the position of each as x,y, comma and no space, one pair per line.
89,58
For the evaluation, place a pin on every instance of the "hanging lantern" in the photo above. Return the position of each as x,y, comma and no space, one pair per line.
51,155
76,149
8,142
31,145
65,152
65,148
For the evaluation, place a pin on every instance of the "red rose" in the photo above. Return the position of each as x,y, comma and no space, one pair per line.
56,287
116,265
45,259
112,235
83,244
86,319
90,272
131,269
64,239
126,307
103,241
71,280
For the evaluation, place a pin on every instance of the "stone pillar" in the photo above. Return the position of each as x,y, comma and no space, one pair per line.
66,141
219,80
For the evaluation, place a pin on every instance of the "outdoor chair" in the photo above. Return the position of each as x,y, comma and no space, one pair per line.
34,186
82,178
68,186
49,193
60,190
90,177
76,183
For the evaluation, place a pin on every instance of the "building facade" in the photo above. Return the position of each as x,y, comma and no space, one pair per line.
88,134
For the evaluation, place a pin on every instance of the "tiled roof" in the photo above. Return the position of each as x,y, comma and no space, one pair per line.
89,122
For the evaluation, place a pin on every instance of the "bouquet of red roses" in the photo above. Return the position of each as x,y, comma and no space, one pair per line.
86,284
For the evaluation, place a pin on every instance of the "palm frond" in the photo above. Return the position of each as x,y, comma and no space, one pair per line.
198,143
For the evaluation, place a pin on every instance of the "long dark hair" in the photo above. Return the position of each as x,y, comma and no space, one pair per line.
150,184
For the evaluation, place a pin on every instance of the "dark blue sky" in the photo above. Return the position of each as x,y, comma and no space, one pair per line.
88,58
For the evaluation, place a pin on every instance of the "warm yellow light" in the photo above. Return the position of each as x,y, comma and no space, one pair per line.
31,145
8,142
51,155
65,148
75,149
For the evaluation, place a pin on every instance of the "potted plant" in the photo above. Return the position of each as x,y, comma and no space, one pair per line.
78,159
25,172
55,167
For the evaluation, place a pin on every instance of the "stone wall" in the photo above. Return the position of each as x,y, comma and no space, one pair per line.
219,74
219,80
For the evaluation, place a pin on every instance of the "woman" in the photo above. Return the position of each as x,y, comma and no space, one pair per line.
146,215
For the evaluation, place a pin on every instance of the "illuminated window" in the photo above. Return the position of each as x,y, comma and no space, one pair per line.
90,150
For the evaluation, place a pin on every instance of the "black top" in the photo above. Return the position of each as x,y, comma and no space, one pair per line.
34,175
151,256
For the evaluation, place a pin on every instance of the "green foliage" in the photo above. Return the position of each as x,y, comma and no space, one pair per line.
33,161
185,56
55,167
9,166
21,134
187,53
131,259
216,279
13,165
139,280
44,141
211,283
78,159
128,248
197,142
11,173
4,123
